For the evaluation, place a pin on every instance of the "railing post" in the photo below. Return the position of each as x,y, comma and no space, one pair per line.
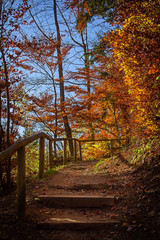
111,148
65,152
50,155
80,151
75,151
21,185
55,151
41,156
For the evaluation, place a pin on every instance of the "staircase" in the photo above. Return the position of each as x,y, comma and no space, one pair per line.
79,219
75,203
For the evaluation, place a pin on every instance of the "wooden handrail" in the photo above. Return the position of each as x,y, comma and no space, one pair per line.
15,147
20,148
103,140
22,143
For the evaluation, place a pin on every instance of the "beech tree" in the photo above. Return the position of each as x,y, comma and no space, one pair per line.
60,70
46,60
82,97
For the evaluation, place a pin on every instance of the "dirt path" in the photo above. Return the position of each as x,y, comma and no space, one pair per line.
133,208
81,179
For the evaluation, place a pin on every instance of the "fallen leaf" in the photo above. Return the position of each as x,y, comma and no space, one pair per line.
125,224
103,191
42,210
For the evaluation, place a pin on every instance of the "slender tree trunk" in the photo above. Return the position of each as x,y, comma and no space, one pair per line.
84,46
1,139
8,170
60,69
7,94
56,117
1,180
115,119
0,121
88,81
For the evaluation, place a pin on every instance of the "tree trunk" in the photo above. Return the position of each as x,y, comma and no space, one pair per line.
87,68
1,180
56,117
7,95
8,169
60,69
84,46
1,139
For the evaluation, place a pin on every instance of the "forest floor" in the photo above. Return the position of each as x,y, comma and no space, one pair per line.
137,208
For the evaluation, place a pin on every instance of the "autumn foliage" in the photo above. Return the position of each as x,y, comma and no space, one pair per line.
136,52
113,94
132,68
123,74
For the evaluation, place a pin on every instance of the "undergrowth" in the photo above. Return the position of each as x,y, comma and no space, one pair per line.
112,166
139,152
142,151
53,171
48,172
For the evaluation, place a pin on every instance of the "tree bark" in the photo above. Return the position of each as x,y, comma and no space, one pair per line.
88,81
56,116
60,70
1,139
8,170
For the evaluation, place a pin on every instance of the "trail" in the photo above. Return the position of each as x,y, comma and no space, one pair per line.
132,212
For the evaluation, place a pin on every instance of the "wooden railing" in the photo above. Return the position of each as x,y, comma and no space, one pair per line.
19,147
112,141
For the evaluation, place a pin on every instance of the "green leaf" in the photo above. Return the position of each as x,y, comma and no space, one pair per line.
158,78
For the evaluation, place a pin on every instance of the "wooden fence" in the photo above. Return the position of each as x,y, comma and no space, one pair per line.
19,147
112,141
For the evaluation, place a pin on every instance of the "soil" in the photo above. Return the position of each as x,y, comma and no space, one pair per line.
137,208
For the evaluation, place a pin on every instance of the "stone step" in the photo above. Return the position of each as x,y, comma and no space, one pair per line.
87,201
75,224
